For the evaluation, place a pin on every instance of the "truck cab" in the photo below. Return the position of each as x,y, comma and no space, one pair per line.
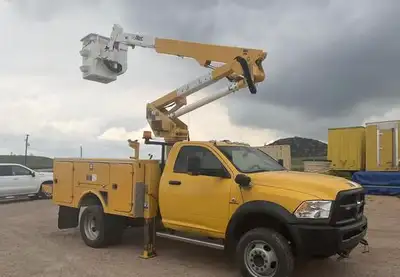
224,190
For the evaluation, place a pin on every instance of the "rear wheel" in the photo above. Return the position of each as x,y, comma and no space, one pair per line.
263,252
99,229
43,194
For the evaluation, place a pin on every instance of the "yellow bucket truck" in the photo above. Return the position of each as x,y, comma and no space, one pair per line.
219,194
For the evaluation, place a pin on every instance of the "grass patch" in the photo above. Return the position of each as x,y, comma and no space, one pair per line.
34,162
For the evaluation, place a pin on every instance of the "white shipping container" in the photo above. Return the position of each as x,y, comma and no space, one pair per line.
317,166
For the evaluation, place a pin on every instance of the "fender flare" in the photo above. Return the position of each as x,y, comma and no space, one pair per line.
257,206
95,193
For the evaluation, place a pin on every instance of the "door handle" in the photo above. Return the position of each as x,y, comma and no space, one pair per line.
176,183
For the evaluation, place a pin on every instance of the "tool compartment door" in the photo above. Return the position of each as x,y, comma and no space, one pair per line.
121,187
386,150
63,185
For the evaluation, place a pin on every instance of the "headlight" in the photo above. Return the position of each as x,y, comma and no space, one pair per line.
317,209
354,184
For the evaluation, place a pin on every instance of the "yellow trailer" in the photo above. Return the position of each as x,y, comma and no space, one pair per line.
382,151
346,148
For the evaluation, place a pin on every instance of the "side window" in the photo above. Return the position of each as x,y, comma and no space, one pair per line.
20,171
209,163
6,170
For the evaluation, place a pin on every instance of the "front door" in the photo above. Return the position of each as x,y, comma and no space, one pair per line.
11,184
25,180
198,202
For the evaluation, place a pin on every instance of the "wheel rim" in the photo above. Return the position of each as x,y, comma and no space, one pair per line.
260,259
90,227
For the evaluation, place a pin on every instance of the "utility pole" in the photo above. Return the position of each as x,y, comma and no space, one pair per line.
26,148
81,150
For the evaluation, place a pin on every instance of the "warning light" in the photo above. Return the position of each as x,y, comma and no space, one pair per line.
147,134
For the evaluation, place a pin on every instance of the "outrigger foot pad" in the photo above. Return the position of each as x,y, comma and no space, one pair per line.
343,255
366,245
346,253
148,254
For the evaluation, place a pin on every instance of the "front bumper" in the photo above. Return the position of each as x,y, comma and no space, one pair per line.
325,240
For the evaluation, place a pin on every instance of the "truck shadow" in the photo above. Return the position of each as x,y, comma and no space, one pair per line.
204,257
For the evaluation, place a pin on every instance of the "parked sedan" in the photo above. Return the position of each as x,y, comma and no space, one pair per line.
17,180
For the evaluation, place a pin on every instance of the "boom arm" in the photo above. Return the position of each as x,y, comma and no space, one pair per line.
104,59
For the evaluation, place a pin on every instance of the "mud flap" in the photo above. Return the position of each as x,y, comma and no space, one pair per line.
68,217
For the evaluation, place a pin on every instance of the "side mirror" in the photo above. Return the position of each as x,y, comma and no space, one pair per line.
33,173
243,180
194,165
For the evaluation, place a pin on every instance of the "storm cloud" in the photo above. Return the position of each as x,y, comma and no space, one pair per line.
347,73
330,63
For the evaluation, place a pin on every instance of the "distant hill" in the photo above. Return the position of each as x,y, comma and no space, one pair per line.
34,162
303,147
300,148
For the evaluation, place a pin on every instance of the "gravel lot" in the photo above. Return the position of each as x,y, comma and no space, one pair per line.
31,245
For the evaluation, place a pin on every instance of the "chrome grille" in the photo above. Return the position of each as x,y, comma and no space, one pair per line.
348,207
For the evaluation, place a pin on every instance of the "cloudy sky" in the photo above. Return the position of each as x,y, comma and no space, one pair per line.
329,64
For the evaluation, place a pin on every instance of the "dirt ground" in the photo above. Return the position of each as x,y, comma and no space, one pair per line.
31,245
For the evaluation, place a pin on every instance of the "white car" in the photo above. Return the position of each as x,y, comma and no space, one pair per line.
17,180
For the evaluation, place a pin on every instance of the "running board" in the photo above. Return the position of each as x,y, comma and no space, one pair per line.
192,241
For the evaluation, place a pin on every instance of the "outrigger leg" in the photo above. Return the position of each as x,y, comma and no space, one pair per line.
149,250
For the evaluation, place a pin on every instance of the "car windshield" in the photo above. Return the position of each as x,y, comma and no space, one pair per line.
250,160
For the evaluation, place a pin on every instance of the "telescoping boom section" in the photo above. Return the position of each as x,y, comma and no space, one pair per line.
105,58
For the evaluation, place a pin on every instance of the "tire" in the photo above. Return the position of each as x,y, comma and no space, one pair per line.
98,229
264,252
42,195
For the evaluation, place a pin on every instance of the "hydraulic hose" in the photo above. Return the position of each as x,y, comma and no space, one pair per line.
247,75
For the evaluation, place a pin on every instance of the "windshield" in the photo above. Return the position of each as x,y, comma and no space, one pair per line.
250,160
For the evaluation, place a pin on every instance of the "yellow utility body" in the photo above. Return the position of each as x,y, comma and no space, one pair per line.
219,194
119,185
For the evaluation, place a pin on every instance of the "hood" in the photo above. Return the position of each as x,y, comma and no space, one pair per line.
318,185
46,175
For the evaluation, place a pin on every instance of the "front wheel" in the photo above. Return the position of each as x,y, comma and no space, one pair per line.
263,252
